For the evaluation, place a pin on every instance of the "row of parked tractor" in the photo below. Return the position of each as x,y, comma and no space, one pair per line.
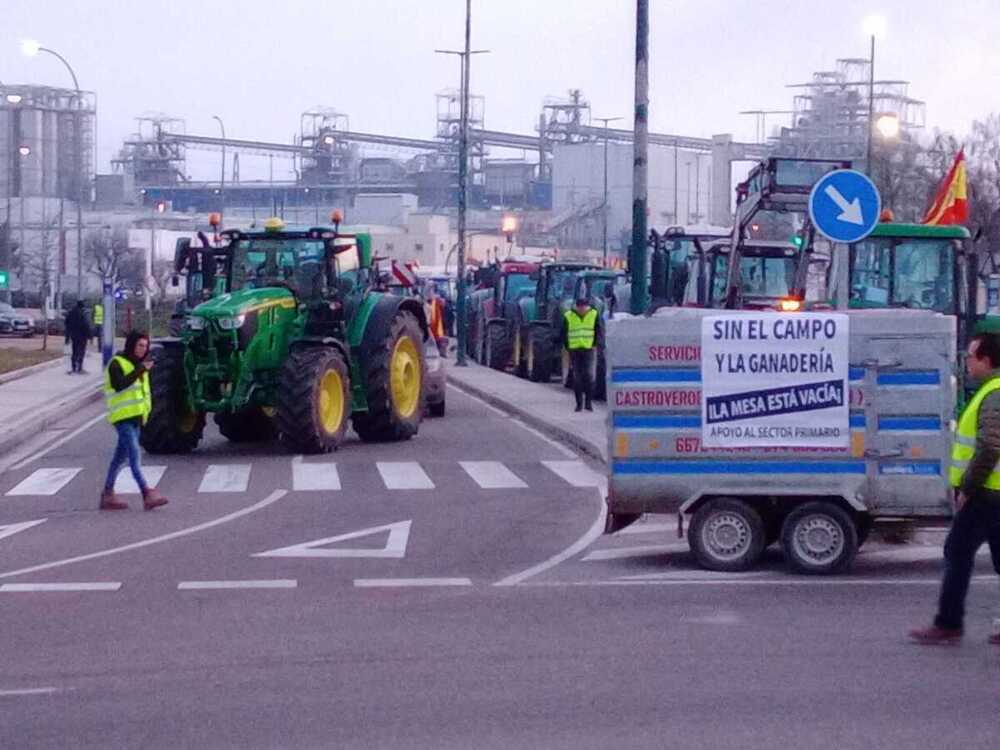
516,311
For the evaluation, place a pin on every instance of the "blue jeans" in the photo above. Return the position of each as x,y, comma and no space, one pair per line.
126,450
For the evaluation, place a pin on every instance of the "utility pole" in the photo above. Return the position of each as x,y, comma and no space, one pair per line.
637,253
463,178
604,204
222,174
871,107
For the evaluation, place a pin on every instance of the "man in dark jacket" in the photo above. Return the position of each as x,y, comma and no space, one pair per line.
77,333
975,476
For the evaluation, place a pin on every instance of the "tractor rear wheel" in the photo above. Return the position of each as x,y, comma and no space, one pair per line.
540,355
394,374
314,400
172,427
497,348
250,425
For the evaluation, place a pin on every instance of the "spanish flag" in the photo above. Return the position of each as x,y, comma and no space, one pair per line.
951,203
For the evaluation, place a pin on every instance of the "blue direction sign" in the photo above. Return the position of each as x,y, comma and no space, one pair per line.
844,206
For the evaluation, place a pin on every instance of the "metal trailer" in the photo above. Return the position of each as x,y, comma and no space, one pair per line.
820,503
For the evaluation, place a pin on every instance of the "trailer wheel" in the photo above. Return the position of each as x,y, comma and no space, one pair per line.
819,538
727,534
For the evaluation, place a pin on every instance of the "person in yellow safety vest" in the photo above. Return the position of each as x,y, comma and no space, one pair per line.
129,403
975,475
98,322
582,331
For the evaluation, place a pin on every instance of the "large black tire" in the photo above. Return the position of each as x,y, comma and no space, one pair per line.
819,538
600,375
250,425
540,353
519,354
308,415
727,534
392,414
437,409
172,426
498,347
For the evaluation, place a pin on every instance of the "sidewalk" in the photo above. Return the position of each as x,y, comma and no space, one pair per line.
29,404
547,407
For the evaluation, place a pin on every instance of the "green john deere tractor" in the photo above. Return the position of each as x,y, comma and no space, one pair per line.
296,345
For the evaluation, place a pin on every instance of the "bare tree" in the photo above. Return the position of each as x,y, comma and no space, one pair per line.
983,154
107,255
40,263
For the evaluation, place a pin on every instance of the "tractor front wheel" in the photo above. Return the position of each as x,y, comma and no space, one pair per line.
394,375
173,427
314,400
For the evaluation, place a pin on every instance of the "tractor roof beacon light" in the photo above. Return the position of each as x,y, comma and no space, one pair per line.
887,216
214,220
274,224
337,217
790,304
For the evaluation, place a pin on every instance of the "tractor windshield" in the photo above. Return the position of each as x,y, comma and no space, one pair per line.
561,284
914,273
517,284
761,277
297,263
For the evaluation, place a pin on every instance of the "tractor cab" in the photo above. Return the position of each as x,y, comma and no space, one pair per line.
767,275
677,266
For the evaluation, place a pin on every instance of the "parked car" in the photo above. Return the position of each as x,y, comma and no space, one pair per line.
15,323
437,379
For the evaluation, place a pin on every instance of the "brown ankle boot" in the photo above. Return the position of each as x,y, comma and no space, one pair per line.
110,501
152,498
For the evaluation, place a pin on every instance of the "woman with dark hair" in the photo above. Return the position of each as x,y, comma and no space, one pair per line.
129,402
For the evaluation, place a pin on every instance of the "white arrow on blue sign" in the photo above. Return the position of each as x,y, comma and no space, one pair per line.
845,205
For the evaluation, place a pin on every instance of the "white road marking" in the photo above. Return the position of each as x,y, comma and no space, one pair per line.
44,482
395,545
404,475
577,473
12,528
125,484
225,478
270,499
314,476
28,691
277,583
369,583
492,475
58,443
649,528
10,588
542,436
591,536
625,552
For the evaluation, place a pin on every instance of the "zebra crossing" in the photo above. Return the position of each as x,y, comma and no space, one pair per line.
320,476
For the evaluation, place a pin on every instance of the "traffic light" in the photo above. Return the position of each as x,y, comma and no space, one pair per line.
797,241
4,279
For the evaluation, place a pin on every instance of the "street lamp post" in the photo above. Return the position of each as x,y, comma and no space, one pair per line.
873,26
31,48
222,174
604,203
463,171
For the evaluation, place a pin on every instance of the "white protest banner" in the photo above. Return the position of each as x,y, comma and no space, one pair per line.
774,379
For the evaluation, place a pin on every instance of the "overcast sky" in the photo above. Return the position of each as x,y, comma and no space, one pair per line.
260,63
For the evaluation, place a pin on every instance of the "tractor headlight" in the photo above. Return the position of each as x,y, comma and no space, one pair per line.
231,324
195,323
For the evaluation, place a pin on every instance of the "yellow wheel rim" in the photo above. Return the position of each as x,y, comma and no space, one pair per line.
517,349
531,356
405,377
331,401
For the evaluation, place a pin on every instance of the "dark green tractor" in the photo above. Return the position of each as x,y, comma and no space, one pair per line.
538,319
296,345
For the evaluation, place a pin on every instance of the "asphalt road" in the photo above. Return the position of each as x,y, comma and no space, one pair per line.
446,592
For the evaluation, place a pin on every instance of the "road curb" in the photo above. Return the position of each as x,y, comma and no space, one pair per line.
567,437
44,418
24,372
